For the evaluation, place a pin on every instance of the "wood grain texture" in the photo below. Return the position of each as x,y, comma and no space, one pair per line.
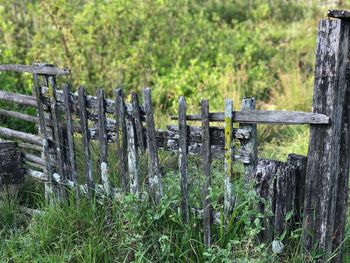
132,158
85,140
45,138
324,147
267,117
275,183
120,112
206,162
103,143
58,136
21,99
27,137
91,103
229,147
154,176
343,180
35,69
138,122
72,171
183,158
250,145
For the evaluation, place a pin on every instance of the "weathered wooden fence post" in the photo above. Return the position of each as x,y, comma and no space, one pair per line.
183,162
154,176
249,146
206,161
326,165
228,195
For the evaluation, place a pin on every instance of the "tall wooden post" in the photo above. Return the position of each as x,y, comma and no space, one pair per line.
326,166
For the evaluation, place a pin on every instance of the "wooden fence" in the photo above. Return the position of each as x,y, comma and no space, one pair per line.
322,178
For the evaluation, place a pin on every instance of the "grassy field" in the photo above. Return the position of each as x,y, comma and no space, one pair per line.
199,49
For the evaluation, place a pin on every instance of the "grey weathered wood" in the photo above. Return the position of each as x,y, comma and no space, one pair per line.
40,70
250,145
91,103
168,140
217,134
206,161
268,117
132,158
228,195
73,175
343,180
342,14
21,99
20,116
30,138
103,141
183,165
58,137
194,134
35,166
323,166
35,159
86,140
30,146
299,162
138,123
45,138
11,168
276,184
154,176
120,112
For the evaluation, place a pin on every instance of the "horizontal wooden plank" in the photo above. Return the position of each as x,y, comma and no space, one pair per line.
9,133
19,115
342,14
267,117
21,99
169,141
217,135
29,146
36,69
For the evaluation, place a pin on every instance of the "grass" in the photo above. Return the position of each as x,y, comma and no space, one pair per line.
133,230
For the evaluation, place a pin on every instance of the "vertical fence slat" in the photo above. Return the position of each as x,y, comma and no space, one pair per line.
58,138
250,145
324,160
121,138
228,195
102,128
132,158
72,168
154,177
138,123
86,140
206,161
183,150
43,130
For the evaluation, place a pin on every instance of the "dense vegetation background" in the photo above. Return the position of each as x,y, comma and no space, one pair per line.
201,49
